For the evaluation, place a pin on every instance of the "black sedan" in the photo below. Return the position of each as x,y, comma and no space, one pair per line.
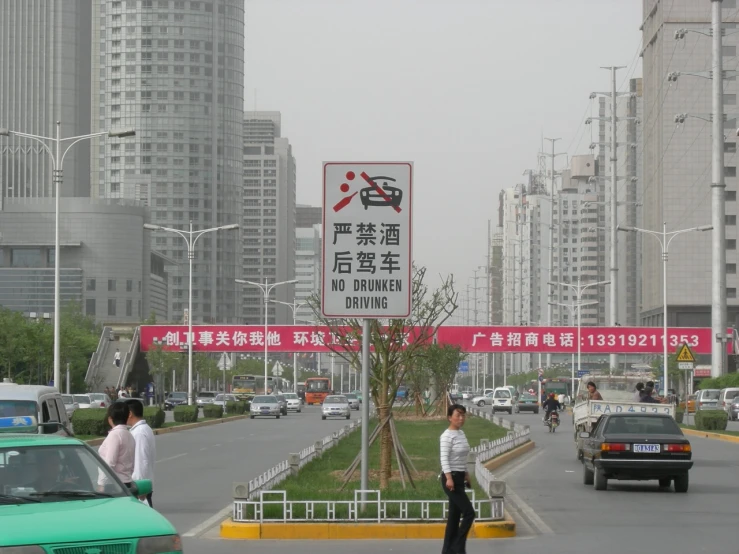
175,399
639,447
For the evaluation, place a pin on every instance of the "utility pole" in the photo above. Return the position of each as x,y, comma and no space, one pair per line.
552,156
718,285
613,238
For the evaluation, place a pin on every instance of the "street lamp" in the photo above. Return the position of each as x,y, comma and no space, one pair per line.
664,243
578,289
572,307
57,163
266,288
295,306
190,237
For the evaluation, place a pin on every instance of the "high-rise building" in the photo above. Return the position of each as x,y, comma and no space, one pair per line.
307,267
677,161
269,180
173,70
44,78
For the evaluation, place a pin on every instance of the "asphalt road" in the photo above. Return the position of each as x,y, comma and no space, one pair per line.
195,469
556,513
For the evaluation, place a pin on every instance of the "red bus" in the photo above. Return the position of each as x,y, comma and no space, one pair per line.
317,389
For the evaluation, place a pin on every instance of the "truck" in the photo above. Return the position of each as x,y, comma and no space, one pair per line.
618,397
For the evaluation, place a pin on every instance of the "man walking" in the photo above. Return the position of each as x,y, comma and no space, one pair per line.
117,358
145,456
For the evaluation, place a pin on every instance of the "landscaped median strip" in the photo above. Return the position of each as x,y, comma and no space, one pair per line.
711,435
183,427
252,511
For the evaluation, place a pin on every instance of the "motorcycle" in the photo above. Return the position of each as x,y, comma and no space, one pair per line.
553,421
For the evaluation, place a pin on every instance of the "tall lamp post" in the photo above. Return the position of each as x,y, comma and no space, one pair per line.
295,306
266,288
190,237
57,163
572,307
665,239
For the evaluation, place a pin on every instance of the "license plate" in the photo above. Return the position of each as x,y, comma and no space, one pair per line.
650,448
501,401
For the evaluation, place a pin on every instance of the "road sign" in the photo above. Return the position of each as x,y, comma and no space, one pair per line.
464,366
367,263
684,354
685,365
225,362
582,373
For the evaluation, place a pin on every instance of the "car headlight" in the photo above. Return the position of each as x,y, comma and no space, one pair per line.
157,545
21,550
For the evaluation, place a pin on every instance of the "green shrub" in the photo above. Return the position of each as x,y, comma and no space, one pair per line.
711,420
154,416
212,410
186,414
234,408
247,406
679,413
723,382
90,421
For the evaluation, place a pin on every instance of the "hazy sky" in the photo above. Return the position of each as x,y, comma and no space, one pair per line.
463,88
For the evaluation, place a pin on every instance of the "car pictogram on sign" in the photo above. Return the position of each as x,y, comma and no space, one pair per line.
371,196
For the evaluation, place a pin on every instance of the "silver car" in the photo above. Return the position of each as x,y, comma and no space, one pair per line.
734,409
69,404
205,397
707,399
83,400
353,401
264,405
99,400
336,405
293,402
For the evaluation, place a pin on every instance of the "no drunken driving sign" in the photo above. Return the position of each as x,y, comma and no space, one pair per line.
367,227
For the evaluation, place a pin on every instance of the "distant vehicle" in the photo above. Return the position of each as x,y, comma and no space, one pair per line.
264,405
391,196
99,400
43,403
503,400
175,399
402,392
353,400
734,413
283,403
293,402
527,403
70,404
725,398
637,447
359,395
317,389
485,400
205,397
83,400
221,399
691,404
335,406
707,399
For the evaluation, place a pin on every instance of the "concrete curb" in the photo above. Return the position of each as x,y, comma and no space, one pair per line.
503,459
185,427
361,531
709,435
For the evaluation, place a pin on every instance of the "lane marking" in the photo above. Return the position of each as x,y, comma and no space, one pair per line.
171,458
210,522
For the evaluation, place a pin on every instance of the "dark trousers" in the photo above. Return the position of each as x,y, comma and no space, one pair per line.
148,499
455,537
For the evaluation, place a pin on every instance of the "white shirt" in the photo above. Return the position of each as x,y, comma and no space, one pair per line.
119,451
454,450
117,356
146,451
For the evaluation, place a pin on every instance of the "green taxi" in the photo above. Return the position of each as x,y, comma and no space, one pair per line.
57,496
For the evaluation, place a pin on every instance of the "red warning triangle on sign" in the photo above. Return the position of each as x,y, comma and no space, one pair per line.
684,354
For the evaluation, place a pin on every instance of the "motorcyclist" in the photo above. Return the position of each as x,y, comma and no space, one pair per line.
551,404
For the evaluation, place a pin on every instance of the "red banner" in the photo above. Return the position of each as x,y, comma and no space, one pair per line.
563,340
555,340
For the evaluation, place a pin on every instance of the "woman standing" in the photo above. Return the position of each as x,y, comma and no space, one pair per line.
454,478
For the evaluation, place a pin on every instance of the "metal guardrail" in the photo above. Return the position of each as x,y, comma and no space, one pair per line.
98,356
258,502
129,358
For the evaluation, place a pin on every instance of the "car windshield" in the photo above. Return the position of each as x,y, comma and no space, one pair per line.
219,398
291,396
710,394
54,474
335,400
318,385
351,396
502,394
264,400
81,398
98,396
11,408
207,395
68,399
731,394
280,398
178,395
642,425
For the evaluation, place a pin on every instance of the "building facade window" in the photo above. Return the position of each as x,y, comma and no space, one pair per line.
111,285
90,307
90,284
111,306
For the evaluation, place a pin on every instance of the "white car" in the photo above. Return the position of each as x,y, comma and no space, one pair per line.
486,400
70,405
221,399
99,400
205,397
503,400
336,405
353,401
293,402
83,400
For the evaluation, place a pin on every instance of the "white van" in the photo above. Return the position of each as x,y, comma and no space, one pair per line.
726,397
503,400
44,403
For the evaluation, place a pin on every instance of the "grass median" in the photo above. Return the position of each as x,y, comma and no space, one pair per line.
321,479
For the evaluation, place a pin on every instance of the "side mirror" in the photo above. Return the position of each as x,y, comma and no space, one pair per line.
141,487
584,435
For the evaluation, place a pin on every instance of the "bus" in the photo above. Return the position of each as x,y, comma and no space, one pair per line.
556,385
245,386
317,389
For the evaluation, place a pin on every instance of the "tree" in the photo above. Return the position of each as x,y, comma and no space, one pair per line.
161,363
435,370
396,345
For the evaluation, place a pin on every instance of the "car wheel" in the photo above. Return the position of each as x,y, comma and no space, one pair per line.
600,482
348,416
494,410
536,411
481,403
251,417
681,483
323,417
278,416
587,475
299,410
665,483
510,412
